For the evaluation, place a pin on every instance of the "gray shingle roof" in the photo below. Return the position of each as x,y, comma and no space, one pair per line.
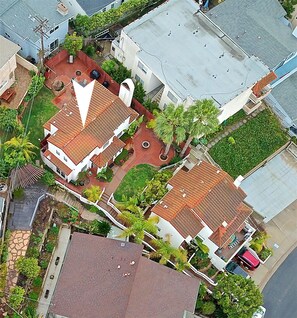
7,50
18,15
93,6
258,27
285,94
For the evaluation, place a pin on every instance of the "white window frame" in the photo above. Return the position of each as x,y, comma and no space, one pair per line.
172,97
142,67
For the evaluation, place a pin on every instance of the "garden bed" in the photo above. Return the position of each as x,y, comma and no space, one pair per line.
134,181
255,141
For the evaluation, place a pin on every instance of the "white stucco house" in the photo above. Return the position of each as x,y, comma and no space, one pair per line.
180,55
8,63
205,202
19,18
85,133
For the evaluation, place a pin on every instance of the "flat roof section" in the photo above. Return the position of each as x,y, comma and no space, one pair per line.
187,51
271,188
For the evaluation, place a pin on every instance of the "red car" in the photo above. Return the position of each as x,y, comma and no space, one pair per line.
249,260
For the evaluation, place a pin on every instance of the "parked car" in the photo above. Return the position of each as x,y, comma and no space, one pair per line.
234,268
260,313
248,259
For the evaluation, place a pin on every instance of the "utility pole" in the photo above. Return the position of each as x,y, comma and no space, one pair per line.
41,28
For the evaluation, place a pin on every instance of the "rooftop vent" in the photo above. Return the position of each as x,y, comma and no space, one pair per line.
224,224
62,9
123,244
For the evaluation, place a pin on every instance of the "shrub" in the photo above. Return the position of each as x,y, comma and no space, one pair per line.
44,264
48,178
211,271
105,174
81,178
28,266
175,159
151,105
195,142
208,308
122,157
33,296
49,247
37,281
231,141
35,86
134,125
265,253
18,193
92,193
8,119
32,73
16,297
139,92
3,273
54,230
36,239
73,215
33,252
93,208
99,227
90,50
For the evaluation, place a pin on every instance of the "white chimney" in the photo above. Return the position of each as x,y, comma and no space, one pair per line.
62,9
126,91
238,181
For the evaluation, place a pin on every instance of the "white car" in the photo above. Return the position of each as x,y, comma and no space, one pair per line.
260,313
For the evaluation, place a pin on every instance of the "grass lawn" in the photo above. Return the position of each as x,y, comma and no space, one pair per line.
256,140
134,181
42,110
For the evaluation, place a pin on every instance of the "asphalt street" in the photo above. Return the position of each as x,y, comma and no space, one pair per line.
280,293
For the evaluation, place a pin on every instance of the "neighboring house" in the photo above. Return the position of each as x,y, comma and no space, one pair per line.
180,56
204,201
85,133
107,278
8,63
91,7
19,18
261,29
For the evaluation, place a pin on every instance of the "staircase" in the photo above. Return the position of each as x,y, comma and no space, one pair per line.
157,97
69,199
103,202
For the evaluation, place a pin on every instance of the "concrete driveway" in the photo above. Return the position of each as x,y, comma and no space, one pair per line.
283,240
280,293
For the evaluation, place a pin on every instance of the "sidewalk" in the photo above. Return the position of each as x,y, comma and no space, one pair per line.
283,240
53,272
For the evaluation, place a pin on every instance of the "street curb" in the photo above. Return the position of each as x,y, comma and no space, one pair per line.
276,266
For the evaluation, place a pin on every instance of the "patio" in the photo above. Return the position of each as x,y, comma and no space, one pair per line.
20,87
59,69
140,155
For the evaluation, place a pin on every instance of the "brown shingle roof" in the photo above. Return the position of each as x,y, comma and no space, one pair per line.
57,162
106,113
211,195
98,280
101,159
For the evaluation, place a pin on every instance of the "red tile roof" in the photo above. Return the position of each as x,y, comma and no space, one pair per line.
204,193
263,82
101,159
57,162
107,278
106,113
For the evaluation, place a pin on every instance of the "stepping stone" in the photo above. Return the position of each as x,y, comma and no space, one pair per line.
244,121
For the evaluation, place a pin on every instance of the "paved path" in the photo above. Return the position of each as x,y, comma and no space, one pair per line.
280,293
53,272
283,239
22,209
17,247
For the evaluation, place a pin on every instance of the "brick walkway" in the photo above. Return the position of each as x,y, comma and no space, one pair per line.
18,244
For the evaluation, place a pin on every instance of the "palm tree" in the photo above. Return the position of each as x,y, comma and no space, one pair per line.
201,118
181,260
18,150
164,249
138,225
168,126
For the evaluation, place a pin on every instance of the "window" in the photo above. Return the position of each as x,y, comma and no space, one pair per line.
142,67
113,48
138,79
3,84
54,45
58,152
106,144
104,9
171,97
7,35
11,75
65,159
54,29
61,173
112,6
